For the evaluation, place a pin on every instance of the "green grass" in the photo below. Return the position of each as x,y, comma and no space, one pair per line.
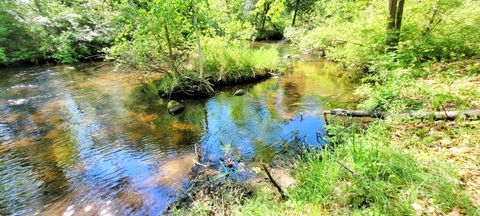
386,180
229,62
225,63
430,86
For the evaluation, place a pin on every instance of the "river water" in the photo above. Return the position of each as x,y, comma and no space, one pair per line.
84,140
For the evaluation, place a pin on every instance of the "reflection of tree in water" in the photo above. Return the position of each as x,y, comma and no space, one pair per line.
293,92
148,119
41,170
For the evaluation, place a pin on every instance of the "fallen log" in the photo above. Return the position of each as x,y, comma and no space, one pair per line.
442,115
355,113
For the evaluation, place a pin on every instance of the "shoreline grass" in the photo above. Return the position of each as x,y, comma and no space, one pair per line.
225,63
369,174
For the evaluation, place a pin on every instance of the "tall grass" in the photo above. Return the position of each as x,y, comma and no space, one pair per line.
236,61
225,63
362,172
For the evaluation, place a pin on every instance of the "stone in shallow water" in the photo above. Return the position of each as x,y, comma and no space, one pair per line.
174,107
239,92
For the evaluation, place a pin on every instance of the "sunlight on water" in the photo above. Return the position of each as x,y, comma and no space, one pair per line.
83,140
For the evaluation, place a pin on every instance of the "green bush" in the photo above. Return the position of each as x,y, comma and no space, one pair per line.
3,57
54,31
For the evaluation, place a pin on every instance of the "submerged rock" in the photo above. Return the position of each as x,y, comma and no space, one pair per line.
239,92
175,107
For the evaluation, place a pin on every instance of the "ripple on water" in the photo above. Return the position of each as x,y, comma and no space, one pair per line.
83,141
17,102
23,86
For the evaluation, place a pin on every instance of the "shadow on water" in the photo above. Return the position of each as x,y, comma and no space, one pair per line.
82,140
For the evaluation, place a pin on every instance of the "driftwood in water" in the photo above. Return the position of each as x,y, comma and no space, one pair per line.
442,115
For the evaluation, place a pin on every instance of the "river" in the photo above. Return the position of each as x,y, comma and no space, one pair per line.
84,140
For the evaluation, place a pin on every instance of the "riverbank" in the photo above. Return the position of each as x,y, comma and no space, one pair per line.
398,166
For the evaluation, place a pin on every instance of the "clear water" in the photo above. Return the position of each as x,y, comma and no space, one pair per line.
84,140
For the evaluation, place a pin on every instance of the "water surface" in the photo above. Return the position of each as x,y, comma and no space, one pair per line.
83,140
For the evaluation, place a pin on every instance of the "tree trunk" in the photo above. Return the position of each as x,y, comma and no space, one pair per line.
169,44
431,19
199,45
295,13
266,8
394,22
398,21
355,113
443,115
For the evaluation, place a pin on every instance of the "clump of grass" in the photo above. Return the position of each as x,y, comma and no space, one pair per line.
225,63
212,197
228,62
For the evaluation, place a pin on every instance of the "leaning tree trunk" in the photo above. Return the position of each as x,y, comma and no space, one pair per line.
431,19
394,22
266,8
295,13
170,48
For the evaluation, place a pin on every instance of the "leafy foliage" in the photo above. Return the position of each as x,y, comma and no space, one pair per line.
63,31
353,32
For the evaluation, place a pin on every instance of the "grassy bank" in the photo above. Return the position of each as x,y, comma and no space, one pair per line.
385,170
399,166
224,63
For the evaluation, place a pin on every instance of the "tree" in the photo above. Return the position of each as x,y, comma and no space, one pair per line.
300,8
270,12
394,22
53,30
297,4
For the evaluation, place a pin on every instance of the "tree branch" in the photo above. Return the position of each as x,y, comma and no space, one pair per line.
284,197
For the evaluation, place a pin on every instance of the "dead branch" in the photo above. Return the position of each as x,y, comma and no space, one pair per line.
352,42
442,115
355,113
348,169
275,184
